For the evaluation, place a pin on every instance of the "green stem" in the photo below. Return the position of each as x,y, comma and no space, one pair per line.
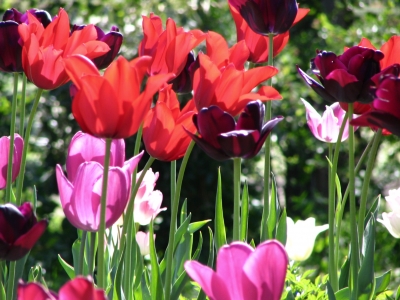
236,198
11,281
267,157
20,180
101,271
354,263
79,270
138,140
12,133
172,227
22,106
364,192
92,247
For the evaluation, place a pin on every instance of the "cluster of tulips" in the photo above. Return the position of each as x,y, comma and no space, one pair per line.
106,198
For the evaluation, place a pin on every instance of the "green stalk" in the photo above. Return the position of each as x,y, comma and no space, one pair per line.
92,246
11,281
236,198
22,106
79,270
267,157
172,227
354,263
12,133
364,192
20,179
101,271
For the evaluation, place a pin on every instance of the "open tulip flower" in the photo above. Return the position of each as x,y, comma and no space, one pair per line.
19,230
267,16
228,87
243,273
327,127
163,131
222,138
112,106
79,288
344,78
258,44
391,220
44,49
4,152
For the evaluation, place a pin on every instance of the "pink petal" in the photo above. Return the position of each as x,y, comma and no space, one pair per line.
313,119
132,163
33,291
80,288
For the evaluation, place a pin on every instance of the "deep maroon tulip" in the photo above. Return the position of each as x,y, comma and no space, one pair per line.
14,15
183,83
19,230
267,16
222,138
113,39
344,78
386,105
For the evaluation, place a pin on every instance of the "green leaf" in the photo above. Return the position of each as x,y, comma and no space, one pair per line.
195,226
344,273
210,262
182,254
244,218
382,282
397,294
373,211
67,268
2,291
118,293
183,212
75,253
329,290
156,288
343,294
281,231
273,204
219,227
197,253
290,296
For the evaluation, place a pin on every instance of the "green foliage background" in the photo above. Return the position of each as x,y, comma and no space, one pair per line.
298,158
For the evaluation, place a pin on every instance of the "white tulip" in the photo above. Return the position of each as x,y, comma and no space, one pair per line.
392,219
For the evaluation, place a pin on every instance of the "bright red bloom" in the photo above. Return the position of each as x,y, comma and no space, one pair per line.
229,88
44,49
258,44
112,106
168,48
163,131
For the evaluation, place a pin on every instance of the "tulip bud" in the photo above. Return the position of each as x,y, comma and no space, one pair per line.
4,152
391,220
143,240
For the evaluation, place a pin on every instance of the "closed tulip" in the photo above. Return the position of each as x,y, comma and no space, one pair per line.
19,230
243,273
391,219
222,138
143,241
4,152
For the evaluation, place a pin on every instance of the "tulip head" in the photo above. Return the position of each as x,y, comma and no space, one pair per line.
143,241
4,152
391,220
19,230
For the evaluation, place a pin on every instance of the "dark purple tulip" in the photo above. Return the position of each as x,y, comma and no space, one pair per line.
344,78
14,15
19,230
113,39
183,83
222,138
267,16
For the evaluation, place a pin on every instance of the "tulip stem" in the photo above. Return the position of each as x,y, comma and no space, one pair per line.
11,281
101,271
172,228
267,158
364,192
236,198
11,148
20,180
22,106
79,269
92,247
354,263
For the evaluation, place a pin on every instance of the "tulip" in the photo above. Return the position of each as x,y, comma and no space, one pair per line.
258,44
243,273
112,106
14,15
267,16
168,48
147,201
4,152
391,220
183,83
301,238
344,78
163,132
143,241
79,288
230,88
44,49
113,39
327,127
19,230
222,138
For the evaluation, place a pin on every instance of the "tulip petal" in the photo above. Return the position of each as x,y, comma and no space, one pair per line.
238,143
391,49
80,288
33,291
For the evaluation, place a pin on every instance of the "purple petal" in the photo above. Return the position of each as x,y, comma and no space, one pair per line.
81,288
239,143
313,119
18,147
326,62
252,117
215,153
33,291
131,164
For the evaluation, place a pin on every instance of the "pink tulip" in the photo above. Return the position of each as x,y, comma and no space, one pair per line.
243,273
326,128
143,240
80,193
4,151
80,288
147,201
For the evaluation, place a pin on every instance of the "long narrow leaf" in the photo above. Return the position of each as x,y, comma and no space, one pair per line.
219,226
272,208
281,231
156,288
244,218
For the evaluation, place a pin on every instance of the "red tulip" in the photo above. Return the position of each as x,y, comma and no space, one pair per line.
44,49
390,49
112,106
163,131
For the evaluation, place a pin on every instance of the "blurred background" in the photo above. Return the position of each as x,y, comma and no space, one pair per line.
298,159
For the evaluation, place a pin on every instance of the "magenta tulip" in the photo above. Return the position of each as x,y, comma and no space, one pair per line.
19,230
4,151
243,273
80,288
